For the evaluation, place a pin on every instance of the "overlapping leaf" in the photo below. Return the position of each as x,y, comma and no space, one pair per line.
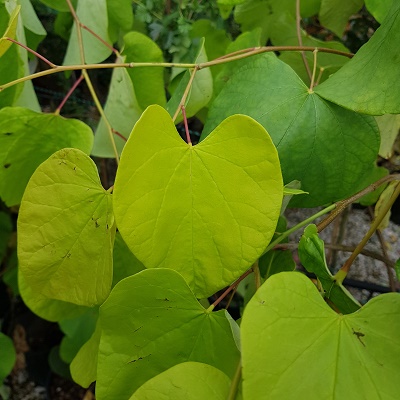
148,82
28,138
93,14
326,147
186,381
122,111
151,322
312,255
288,330
66,231
84,366
201,89
334,14
370,82
207,211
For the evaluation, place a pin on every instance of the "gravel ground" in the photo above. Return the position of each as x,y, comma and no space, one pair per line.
356,225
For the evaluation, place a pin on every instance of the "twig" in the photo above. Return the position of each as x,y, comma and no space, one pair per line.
285,234
231,287
341,205
300,40
70,91
229,58
188,140
392,283
89,82
235,382
185,94
115,51
346,266
340,247
32,51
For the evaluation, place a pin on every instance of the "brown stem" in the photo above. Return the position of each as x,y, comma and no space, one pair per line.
231,287
32,51
392,283
229,58
340,247
119,134
346,266
300,40
341,205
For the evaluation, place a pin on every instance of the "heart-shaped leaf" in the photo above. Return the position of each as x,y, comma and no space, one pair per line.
186,381
370,82
66,231
288,331
151,322
326,147
312,255
27,138
207,211
10,31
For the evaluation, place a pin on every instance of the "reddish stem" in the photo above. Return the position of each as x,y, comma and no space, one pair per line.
119,135
99,38
186,125
233,286
33,52
70,91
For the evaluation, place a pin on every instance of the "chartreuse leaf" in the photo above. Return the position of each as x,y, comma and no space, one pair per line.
200,92
370,82
148,83
125,263
317,141
287,327
10,31
152,321
186,381
379,8
66,231
175,203
77,332
49,309
27,138
383,200
7,356
122,110
334,14
312,255
93,14
389,126
84,366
